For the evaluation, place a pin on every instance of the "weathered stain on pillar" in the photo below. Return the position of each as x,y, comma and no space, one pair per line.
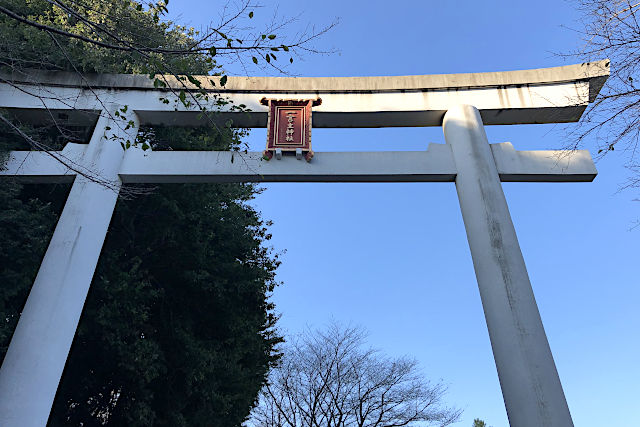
530,384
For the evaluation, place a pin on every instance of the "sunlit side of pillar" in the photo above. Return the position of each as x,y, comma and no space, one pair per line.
530,384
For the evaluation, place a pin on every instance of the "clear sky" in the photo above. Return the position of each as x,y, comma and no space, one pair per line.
394,258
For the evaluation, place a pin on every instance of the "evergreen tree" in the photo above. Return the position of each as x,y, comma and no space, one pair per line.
177,329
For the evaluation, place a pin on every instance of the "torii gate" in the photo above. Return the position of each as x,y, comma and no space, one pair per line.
460,103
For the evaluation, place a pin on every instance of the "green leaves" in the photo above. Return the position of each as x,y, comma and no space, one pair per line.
158,83
194,81
145,331
145,335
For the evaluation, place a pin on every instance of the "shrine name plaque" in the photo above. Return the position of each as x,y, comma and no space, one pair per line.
289,127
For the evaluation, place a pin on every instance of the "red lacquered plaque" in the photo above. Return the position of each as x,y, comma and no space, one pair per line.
289,126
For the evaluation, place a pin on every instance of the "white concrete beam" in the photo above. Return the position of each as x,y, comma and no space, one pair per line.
546,103
35,167
551,95
433,165
543,165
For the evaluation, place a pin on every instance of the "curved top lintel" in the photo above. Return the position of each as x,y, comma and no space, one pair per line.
545,95
595,72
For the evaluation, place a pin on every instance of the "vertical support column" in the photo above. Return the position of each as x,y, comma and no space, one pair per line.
40,345
530,384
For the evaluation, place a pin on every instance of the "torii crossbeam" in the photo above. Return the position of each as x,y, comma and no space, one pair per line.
530,384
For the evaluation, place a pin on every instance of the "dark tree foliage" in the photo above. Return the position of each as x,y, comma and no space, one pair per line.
116,22
26,224
177,329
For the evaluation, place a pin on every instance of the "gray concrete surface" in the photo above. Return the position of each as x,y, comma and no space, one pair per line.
547,95
530,384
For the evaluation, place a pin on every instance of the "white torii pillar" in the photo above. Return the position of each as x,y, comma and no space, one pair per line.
528,377
36,357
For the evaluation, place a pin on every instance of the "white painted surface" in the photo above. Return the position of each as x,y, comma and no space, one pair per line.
41,166
542,165
530,384
433,165
39,347
526,104
596,72
548,95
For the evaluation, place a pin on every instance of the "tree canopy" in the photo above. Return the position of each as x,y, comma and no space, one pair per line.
329,378
177,328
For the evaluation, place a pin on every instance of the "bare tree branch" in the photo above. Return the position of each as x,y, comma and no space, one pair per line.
96,28
329,379
611,29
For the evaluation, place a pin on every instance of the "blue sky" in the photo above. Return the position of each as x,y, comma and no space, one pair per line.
394,258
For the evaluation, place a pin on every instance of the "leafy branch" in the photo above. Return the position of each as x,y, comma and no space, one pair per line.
94,34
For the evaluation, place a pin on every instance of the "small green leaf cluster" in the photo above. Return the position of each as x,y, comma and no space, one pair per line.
177,329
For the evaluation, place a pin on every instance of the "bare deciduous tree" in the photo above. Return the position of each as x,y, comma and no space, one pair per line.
329,379
611,29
